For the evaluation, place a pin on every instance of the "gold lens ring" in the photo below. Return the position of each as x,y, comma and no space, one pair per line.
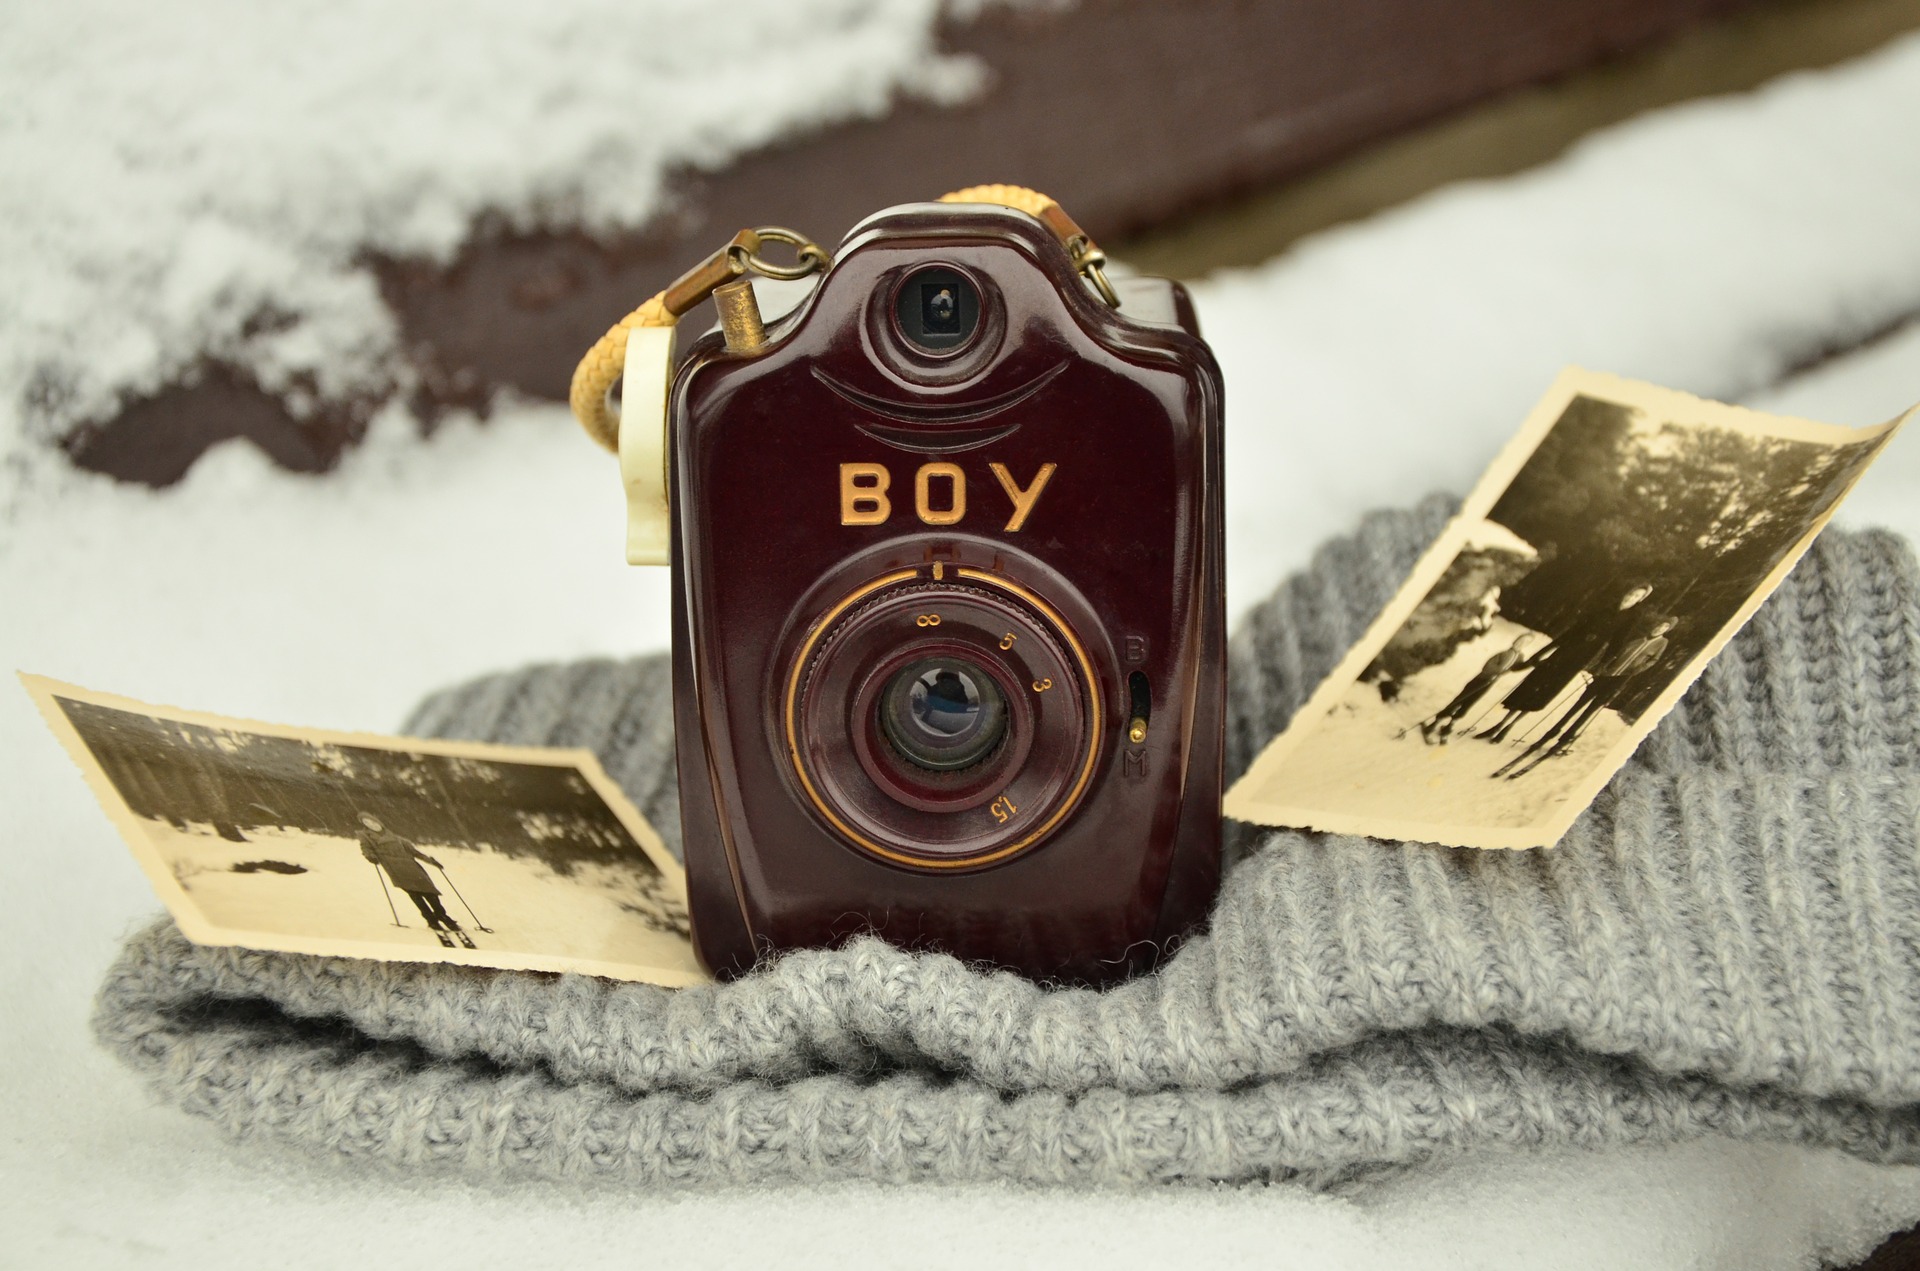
1046,619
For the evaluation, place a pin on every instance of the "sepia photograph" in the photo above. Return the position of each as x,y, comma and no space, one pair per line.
389,848
1618,542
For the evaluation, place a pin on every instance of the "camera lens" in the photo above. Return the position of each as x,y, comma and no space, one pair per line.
944,723
938,309
943,714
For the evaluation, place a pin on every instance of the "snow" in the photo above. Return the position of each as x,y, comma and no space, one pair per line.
193,179
1710,247
185,1198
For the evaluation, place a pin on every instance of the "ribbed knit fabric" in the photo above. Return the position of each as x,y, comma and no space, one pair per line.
1728,942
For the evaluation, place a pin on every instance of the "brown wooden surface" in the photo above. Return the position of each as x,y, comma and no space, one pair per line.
1900,1252
156,439
1132,112
1514,131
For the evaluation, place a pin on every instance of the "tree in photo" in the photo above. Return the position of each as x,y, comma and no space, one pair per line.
1701,514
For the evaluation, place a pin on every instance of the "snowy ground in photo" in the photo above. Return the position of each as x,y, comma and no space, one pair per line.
585,914
1712,248
335,893
1368,756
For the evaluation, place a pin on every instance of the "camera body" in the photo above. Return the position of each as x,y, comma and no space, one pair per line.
948,626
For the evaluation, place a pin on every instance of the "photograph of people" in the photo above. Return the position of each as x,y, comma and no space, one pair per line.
1437,728
1582,588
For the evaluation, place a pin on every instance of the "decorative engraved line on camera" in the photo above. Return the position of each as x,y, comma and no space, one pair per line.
864,499
952,441
1095,722
942,412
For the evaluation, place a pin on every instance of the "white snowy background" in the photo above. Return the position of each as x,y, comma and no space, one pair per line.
1712,247
178,173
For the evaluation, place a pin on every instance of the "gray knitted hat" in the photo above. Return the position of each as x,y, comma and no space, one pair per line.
1728,942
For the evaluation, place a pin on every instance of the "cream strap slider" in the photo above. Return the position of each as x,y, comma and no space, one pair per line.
637,353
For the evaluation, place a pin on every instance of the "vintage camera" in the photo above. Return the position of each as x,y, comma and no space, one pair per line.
948,628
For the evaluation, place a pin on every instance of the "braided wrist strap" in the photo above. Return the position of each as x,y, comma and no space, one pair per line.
600,369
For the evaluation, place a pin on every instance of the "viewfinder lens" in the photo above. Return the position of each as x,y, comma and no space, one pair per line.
938,309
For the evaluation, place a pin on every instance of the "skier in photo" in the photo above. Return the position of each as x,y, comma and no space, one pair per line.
1438,727
1609,685
1562,662
403,864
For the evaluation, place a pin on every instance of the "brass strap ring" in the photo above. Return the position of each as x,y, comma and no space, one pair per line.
810,257
1092,263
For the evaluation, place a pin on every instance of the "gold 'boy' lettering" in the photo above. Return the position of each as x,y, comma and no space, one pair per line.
1023,500
922,493
863,494
864,501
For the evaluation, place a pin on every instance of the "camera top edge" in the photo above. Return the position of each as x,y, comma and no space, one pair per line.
1146,299
944,236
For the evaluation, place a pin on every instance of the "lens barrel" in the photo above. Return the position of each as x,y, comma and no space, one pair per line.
943,714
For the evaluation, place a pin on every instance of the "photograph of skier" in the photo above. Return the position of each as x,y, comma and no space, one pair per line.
402,863
397,848
1614,546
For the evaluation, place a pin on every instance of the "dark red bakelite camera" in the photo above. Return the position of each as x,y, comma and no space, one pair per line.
948,627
